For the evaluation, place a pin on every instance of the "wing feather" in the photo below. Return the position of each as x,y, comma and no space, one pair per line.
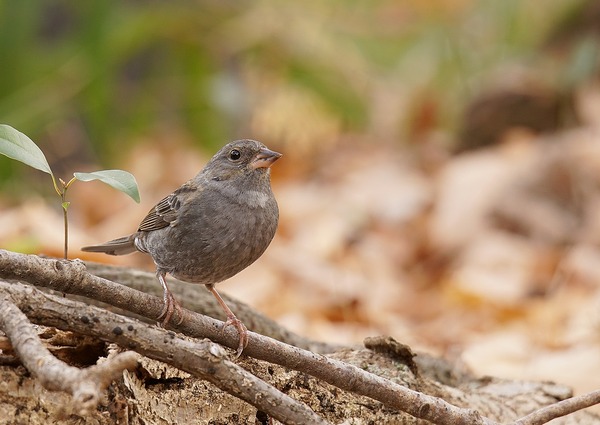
165,212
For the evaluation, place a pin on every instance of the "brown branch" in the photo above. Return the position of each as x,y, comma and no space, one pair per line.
85,385
561,408
200,358
197,298
71,277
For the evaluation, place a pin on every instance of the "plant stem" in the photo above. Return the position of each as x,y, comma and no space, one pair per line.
66,221
63,197
65,205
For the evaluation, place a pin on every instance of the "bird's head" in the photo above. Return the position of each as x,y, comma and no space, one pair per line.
241,159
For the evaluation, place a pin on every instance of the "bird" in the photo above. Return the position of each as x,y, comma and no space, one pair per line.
211,228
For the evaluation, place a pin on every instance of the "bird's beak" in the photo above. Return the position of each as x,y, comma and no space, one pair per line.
264,159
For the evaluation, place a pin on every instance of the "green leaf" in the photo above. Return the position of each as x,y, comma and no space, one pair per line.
65,205
119,179
16,145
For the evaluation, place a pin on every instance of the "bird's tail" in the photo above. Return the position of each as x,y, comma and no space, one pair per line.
120,246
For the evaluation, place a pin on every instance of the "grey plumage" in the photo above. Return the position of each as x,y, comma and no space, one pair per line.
213,226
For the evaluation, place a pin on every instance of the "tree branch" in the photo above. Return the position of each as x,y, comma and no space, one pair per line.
197,298
561,408
85,385
71,277
200,358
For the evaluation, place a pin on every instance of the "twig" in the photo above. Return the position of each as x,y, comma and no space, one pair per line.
561,408
85,385
72,277
200,358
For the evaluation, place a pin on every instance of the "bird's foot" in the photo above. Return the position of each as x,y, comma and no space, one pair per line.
242,331
170,306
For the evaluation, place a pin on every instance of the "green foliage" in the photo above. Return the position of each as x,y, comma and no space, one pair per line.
18,146
119,179
124,69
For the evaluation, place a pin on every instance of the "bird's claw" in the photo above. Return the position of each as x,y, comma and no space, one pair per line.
242,332
170,306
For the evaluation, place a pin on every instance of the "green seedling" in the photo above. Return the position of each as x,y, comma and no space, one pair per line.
16,145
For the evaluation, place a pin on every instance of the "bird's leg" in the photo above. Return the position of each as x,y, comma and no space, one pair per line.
170,303
232,320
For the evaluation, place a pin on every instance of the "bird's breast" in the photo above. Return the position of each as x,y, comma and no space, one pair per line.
216,239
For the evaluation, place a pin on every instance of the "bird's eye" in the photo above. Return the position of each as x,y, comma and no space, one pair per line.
234,155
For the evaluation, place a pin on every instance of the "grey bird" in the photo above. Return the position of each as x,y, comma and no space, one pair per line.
212,227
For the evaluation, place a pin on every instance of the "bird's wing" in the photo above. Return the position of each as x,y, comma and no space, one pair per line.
165,212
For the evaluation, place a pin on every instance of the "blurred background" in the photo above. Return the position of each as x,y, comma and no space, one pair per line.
441,172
